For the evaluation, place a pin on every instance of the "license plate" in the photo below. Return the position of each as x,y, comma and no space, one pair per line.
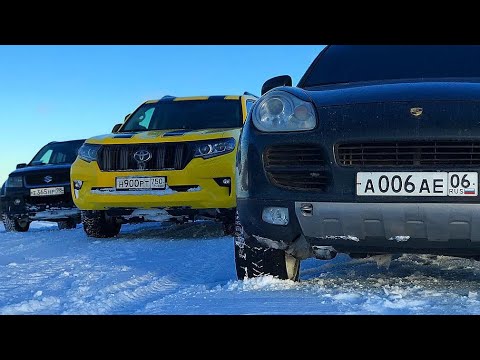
417,184
140,183
52,191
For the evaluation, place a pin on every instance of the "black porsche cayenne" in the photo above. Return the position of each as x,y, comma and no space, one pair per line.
375,151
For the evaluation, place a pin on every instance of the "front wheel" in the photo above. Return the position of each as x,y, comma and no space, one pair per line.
15,225
253,259
227,217
97,224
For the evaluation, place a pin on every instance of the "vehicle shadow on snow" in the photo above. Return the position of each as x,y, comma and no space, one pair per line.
169,231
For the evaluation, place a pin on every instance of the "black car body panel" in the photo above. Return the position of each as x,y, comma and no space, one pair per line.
373,117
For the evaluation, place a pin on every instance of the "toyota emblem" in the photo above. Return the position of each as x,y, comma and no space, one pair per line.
142,157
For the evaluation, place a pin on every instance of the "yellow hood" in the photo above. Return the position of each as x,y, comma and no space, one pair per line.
159,136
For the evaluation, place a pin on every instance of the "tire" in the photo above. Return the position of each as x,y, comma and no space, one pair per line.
14,225
229,225
67,224
97,224
253,259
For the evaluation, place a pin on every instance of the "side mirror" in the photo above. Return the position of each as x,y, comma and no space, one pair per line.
22,165
126,117
282,80
116,127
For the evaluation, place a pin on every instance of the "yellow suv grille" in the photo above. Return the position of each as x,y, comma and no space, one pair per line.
144,157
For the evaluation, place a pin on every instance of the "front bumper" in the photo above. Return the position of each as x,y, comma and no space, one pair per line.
450,229
18,203
193,187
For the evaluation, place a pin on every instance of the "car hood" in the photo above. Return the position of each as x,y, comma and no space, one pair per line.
398,91
41,168
172,135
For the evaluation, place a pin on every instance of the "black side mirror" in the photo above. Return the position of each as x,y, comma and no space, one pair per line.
282,80
126,117
22,165
116,127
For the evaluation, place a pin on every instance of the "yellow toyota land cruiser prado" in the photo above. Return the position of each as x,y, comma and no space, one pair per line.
171,159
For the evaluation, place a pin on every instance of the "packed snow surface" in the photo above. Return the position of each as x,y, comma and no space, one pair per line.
161,268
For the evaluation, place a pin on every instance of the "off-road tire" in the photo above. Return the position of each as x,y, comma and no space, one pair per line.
67,224
253,259
13,225
229,226
97,224
228,221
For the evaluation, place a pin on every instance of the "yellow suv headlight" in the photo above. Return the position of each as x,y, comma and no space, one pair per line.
211,148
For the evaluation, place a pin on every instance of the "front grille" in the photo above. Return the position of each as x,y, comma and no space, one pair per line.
166,156
298,167
409,153
39,179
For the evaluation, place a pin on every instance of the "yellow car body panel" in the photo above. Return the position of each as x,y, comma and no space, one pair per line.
98,191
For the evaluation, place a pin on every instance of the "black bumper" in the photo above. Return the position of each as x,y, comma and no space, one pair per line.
433,225
17,203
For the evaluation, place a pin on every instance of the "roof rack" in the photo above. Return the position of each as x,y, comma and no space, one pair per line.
167,97
249,93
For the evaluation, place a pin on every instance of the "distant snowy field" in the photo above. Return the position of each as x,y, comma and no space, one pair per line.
165,269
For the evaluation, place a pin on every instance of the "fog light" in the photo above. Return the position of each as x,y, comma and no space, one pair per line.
275,215
17,201
77,184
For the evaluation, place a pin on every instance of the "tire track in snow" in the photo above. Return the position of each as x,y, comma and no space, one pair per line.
118,298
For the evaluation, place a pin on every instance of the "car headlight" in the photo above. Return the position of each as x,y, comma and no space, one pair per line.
280,111
88,152
14,182
212,148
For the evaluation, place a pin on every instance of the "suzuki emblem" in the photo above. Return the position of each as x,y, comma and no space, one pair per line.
48,179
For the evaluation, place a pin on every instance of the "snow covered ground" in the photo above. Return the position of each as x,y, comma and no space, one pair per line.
165,269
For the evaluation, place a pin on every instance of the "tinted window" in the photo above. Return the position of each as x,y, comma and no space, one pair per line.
344,63
186,114
57,153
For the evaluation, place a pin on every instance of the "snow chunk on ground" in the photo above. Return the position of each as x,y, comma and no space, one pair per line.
31,306
268,283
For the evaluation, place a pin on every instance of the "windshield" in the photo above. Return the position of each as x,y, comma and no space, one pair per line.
186,114
57,153
353,63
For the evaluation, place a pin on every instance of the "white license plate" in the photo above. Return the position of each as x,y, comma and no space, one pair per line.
417,184
52,191
140,183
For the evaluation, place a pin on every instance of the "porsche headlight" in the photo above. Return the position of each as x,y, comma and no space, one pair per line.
279,111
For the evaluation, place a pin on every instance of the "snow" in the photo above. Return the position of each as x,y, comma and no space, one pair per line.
400,238
348,237
113,191
195,189
160,268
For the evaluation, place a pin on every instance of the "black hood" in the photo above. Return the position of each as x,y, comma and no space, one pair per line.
383,109
394,91
41,169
